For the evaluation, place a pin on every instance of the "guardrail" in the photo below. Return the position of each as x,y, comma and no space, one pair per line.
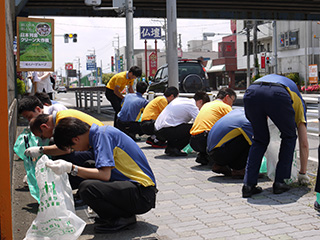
91,98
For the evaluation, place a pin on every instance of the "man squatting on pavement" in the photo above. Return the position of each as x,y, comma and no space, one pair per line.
122,183
132,108
208,115
173,125
151,113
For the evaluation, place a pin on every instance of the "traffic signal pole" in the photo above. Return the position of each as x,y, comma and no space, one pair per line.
129,34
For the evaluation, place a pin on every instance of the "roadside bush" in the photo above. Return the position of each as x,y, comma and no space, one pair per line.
106,77
21,87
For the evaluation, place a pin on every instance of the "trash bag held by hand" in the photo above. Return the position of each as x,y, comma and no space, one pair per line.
56,218
29,165
273,152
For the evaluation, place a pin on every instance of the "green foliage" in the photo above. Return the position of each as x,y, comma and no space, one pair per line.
106,77
294,77
21,88
256,77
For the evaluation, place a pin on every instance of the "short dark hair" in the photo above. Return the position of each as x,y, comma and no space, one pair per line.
43,97
226,91
136,71
36,122
141,87
29,103
67,129
171,91
201,95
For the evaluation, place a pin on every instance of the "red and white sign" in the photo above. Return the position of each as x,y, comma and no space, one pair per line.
153,62
69,66
180,53
313,73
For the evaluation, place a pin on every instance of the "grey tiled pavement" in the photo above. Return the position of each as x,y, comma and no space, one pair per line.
195,203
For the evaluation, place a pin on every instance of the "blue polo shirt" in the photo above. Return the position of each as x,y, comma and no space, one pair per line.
297,101
113,148
228,127
133,105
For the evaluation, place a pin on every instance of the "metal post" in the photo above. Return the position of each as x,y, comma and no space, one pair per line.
172,44
91,101
248,56
255,48
275,47
77,99
129,33
146,57
85,100
98,102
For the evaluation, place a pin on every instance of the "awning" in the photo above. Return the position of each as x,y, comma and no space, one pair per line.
217,68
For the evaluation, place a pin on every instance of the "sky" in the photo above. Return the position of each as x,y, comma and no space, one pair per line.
100,35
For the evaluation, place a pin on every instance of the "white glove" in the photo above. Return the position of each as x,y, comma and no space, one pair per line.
59,166
303,178
33,152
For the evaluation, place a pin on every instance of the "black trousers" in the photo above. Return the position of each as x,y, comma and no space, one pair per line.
233,154
115,103
147,127
117,199
130,127
176,137
199,142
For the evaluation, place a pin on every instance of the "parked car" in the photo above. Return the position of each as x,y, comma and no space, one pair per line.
192,77
62,89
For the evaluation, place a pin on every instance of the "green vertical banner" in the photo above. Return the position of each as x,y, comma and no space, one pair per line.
35,44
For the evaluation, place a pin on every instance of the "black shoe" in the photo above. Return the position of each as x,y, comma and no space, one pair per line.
279,188
225,170
248,191
150,141
175,152
202,158
99,220
316,206
116,225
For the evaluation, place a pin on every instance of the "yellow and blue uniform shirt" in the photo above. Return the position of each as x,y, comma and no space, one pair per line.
133,105
112,148
57,116
229,127
121,79
297,101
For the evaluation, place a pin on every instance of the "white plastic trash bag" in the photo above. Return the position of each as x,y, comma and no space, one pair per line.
56,218
272,155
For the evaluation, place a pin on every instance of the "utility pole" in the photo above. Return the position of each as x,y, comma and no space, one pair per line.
129,34
275,47
255,48
172,53
247,29
117,54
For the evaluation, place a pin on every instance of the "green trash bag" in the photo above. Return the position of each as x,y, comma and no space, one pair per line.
263,167
187,149
27,139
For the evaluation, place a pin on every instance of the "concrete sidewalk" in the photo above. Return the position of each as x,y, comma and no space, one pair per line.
195,203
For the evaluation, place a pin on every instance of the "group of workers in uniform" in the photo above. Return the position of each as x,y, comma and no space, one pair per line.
111,172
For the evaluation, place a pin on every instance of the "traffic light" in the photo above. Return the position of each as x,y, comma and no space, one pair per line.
121,62
66,38
112,64
75,37
267,60
70,35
